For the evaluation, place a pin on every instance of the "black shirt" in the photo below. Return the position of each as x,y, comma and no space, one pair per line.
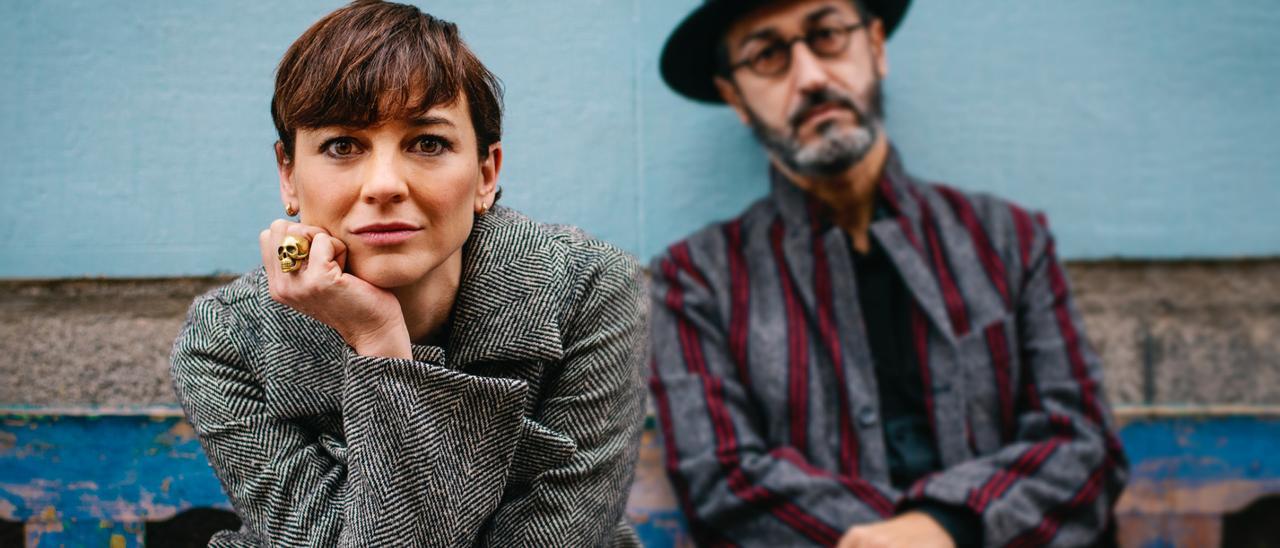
909,443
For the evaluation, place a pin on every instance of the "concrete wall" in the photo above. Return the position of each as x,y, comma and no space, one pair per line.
136,134
1168,333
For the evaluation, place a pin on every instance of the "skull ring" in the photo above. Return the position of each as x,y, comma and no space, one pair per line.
292,252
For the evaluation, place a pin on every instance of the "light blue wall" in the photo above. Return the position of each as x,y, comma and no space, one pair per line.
136,135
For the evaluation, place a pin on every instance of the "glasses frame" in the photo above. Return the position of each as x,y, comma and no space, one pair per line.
845,31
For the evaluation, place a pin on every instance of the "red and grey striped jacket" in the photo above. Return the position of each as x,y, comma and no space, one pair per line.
765,387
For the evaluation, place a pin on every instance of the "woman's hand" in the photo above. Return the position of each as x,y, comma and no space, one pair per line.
367,317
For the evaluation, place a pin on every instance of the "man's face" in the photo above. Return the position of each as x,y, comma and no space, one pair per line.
822,114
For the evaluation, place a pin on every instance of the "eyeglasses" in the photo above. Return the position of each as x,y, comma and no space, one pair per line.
775,57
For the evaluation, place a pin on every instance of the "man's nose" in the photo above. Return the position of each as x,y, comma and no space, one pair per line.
383,182
809,73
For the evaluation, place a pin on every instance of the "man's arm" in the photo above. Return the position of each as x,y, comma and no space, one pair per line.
1056,482
734,486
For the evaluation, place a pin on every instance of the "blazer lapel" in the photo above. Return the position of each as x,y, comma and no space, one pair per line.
891,232
903,241
797,239
514,286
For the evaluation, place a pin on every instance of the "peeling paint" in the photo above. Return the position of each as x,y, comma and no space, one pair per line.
106,475
1174,497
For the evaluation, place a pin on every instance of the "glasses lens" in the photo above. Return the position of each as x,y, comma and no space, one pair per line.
771,60
827,40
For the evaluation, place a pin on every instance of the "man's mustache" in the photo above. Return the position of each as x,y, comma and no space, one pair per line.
822,98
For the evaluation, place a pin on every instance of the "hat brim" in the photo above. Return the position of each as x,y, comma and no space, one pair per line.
688,62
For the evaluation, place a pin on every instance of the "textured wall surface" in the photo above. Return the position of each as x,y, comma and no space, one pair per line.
1168,333
137,139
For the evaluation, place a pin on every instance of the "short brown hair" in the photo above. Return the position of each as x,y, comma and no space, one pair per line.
372,61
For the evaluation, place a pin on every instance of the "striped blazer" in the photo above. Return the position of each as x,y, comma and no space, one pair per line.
522,432
765,387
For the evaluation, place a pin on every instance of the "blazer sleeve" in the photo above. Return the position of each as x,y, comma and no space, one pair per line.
734,484
595,406
1056,482
411,430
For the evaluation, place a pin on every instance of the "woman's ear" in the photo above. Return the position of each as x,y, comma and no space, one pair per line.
489,168
284,166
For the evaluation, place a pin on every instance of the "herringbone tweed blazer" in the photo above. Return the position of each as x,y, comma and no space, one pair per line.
522,432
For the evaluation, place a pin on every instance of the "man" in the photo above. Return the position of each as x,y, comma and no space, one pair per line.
861,358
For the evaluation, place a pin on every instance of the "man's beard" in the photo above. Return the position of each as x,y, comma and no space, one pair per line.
836,148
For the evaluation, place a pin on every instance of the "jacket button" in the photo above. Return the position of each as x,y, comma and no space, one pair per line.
867,416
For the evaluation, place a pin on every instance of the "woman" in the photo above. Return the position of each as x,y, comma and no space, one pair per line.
414,365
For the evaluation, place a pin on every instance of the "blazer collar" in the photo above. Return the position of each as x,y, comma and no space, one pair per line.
899,231
515,286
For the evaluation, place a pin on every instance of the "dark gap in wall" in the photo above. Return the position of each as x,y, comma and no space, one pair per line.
11,533
189,529
1254,526
1149,356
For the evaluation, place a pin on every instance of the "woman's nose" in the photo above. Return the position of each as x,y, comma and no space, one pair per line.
383,182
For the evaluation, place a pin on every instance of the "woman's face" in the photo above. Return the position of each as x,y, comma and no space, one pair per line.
401,194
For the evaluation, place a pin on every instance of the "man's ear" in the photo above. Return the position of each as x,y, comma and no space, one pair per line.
729,92
878,39
284,166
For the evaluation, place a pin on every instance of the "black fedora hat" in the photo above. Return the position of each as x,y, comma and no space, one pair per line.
688,58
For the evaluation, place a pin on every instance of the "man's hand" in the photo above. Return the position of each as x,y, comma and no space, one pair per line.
912,529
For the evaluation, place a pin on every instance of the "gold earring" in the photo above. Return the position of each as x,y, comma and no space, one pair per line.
483,208
290,210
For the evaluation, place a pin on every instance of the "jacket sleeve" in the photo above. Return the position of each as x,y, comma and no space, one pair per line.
1056,482
595,408
735,486
412,429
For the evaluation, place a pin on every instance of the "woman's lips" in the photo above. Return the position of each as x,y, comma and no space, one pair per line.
384,235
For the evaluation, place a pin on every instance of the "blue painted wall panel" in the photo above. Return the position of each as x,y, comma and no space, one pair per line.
137,135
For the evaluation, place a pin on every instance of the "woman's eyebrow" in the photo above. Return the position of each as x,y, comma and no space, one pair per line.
430,121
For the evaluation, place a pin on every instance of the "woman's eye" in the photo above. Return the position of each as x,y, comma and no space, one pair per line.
340,148
430,146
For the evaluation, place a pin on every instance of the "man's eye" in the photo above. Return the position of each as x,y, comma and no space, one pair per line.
769,54
823,36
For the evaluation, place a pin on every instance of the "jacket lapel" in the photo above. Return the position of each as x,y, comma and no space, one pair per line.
903,241
797,241
512,293
900,235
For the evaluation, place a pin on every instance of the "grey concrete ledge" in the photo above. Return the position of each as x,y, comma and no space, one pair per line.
1169,332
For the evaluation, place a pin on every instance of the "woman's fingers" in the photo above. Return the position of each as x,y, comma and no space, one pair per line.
339,252
285,286
270,263
324,251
